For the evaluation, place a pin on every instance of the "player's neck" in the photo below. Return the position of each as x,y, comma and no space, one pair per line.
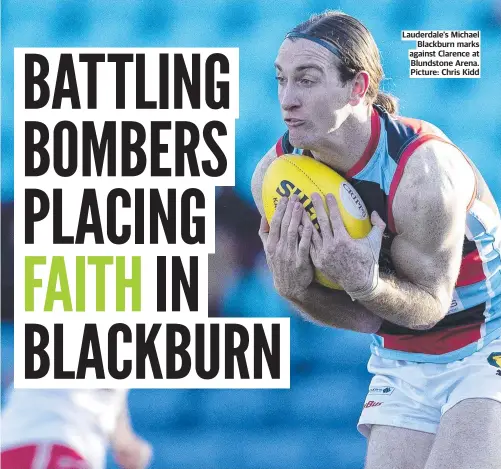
347,144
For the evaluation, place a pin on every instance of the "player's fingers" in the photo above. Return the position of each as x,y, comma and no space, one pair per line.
315,240
276,221
314,253
292,232
337,223
315,235
322,217
375,237
287,216
376,220
264,230
303,250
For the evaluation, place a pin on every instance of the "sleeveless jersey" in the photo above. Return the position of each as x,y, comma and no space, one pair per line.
474,317
83,419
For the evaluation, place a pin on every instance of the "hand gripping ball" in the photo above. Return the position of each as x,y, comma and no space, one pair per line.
303,175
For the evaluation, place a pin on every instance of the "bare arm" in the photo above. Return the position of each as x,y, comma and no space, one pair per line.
130,451
336,309
429,212
330,307
123,429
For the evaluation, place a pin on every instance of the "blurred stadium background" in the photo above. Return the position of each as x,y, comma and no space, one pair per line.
312,425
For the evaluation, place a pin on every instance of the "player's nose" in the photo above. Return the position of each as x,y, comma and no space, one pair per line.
289,98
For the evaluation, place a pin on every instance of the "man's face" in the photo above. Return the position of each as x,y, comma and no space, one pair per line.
313,101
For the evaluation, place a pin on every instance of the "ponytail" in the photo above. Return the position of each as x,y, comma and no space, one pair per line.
388,102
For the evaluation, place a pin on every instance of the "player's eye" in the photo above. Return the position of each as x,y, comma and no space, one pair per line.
306,81
281,80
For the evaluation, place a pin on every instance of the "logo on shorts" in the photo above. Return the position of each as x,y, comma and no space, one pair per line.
494,359
383,391
372,404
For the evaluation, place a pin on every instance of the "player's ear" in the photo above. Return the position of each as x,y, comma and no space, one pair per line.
359,86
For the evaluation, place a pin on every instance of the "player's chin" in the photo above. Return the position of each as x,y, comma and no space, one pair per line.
299,138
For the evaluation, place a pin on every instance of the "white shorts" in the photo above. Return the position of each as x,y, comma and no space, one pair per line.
416,395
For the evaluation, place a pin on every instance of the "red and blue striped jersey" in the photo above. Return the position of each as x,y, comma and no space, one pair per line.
474,317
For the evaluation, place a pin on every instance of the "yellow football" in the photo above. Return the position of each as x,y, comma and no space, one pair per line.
303,175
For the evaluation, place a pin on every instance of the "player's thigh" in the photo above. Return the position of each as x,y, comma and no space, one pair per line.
397,448
468,437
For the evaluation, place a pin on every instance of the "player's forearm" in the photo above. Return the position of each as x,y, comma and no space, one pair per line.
405,304
128,449
123,432
335,308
